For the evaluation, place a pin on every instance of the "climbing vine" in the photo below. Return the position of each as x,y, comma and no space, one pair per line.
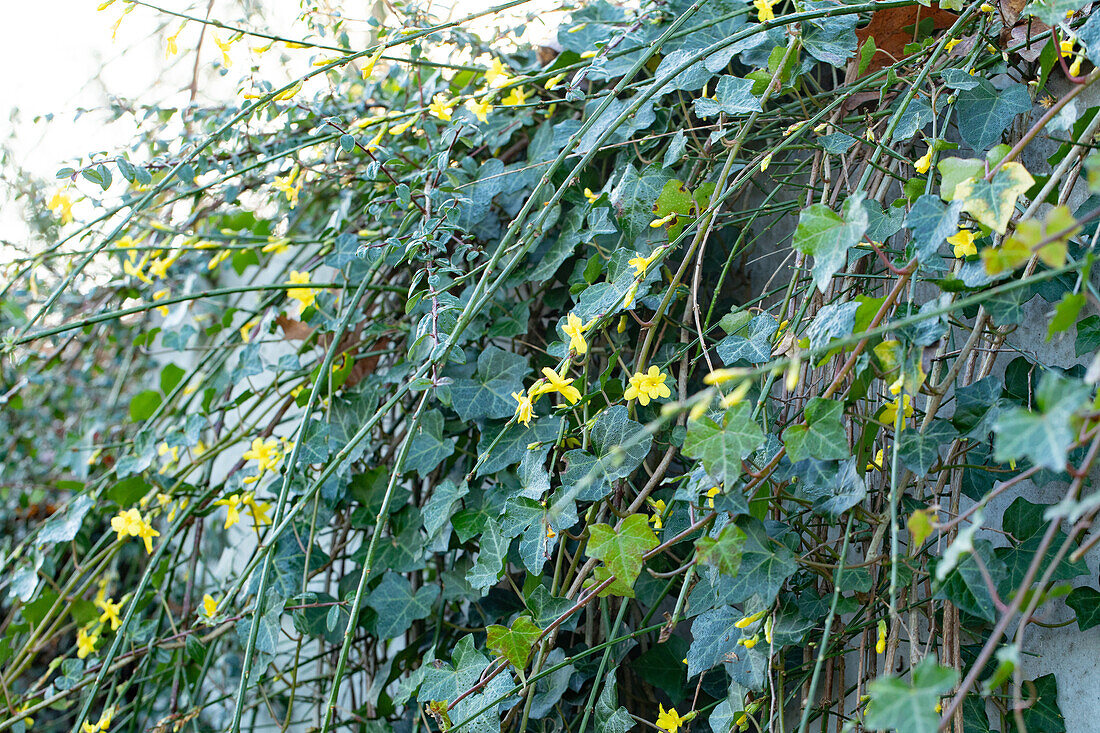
674,374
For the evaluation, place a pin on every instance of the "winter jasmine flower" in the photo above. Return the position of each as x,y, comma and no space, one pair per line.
641,264
669,720
555,382
646,386
764,11
516,97
480,110
574,329
306,297
922,164
61,205
441,107
525,409
962,243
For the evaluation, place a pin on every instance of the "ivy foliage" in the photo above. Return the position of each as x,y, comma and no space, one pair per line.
655,375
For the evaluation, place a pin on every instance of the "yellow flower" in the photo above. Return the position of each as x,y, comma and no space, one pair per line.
750,642
209,605
288,187
525,409
750,620
516,96
135,268
246,330
880,645
646,386
258,510
1075,67
305,296
147,533
127,524
962,243
669,720
265,453
711,493
574,329
659,511
480,110
876,464
641,264
441,106
289,92
951,44
591,196
923,163
110,613
553,81
497,75
217,259
102,725
159,267
658,223
738,394
85,642
276,245
233,509
368,65
555,382
986,8
224,46
170,47
764,11
721,376
399,129
890,412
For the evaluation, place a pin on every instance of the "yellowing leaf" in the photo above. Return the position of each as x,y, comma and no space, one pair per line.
1048,237
516,642
622,549
920,526
992,202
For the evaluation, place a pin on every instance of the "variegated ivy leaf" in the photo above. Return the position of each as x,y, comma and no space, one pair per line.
993,202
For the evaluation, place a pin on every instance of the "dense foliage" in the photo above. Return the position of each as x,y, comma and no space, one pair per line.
666,377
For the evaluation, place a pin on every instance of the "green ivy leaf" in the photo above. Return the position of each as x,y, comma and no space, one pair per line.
397,605
827,236
516,642
440,506
732,96
1044,436
490,558
722,447
1044,715
932,223
610,716
489,393
1052,12
765,566
920,450
724,551
1065,313
907,707
620,446
751,343
1088,335
1085,603
822,436
429,448
622,549
144,404
984,112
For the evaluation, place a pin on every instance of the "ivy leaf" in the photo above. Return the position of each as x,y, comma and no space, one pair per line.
1085,603
444,681
516,642
732,95
1044,436
1065,313
1048,238
509,442
490,558
674,199
622,549
64,526
832,321
489,393
965,585
919,451
633,198
752,343
910,707
977,406
610,716
1052,12
932,223
1088,335
620,444
983,113
828,236
765,566
954,171
993,202
398,606
834,492
429,448
722,447
437,511
724,551
830,39
714,637
1044,715
822,436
